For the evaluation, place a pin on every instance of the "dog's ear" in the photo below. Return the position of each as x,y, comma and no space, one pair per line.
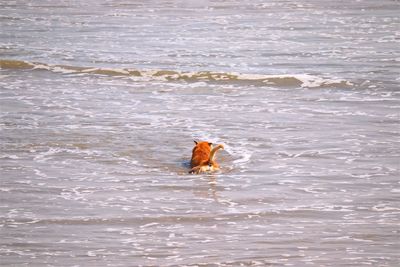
210,144
195,142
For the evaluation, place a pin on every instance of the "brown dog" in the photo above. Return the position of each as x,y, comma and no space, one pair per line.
203,155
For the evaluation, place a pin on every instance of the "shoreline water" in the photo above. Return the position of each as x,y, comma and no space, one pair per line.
100,102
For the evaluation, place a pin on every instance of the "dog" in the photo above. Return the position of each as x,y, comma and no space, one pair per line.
203,157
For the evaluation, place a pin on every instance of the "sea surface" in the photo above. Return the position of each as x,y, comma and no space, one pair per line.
100,102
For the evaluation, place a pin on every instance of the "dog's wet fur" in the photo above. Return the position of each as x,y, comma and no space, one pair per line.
203,157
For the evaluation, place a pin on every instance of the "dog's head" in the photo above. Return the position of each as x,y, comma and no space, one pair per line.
202,145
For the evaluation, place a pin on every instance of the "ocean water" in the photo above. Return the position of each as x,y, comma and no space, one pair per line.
100,102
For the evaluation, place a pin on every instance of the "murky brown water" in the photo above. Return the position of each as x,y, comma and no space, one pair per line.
100,102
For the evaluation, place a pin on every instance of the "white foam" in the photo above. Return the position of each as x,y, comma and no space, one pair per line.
149,225
41,67
383,207
306,80
9,157
244,159
242,152
315,81
253,77
62,70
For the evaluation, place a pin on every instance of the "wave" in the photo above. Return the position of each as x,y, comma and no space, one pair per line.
302,80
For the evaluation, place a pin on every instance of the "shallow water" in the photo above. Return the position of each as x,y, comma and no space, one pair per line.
100,103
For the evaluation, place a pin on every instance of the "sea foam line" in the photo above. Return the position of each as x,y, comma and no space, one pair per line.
287,80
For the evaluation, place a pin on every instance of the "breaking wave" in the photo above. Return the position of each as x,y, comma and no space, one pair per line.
302,80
